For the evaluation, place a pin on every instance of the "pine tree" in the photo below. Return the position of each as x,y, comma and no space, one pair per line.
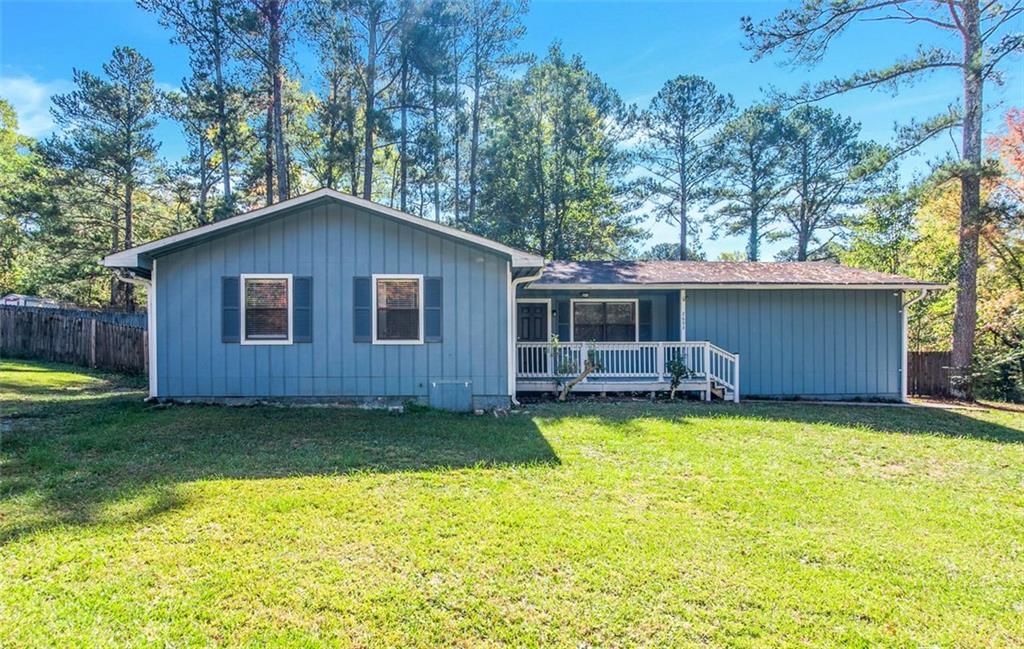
208,29
106,146
821,171
751,147
679,149
493,28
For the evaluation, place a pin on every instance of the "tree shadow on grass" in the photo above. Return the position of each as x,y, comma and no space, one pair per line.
70,469
878,418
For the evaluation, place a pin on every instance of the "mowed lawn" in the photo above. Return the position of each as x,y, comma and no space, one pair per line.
575,525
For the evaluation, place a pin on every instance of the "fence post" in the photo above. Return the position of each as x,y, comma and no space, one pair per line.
92,342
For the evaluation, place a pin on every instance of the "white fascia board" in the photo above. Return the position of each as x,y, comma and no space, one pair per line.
131,258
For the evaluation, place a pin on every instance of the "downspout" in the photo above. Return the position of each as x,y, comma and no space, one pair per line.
905,369
150,285
512,285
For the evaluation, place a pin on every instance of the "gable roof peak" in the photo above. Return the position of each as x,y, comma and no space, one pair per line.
138,257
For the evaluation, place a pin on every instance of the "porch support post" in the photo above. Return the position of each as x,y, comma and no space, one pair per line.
736,382
707,372
682,315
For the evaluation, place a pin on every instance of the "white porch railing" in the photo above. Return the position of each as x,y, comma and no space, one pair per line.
706,362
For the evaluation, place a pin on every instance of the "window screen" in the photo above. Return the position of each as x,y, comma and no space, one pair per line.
604,321
398,309
266,309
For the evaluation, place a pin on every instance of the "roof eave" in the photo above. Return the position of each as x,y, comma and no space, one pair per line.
906,286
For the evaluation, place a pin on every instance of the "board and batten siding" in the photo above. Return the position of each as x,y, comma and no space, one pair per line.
828,344
332,243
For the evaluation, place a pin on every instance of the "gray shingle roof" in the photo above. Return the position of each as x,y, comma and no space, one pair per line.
739,273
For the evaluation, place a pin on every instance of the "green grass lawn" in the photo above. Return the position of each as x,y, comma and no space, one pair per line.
576,525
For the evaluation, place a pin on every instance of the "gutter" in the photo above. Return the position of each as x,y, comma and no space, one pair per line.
512,284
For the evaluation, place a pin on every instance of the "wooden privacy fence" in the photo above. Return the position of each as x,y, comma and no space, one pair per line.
78,339
929,373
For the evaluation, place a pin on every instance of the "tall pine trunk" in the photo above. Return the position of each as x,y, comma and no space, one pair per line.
222,118
129,225
115,239
204,179
803,235
350,127
682,214
753,245
684,197
268,157
965,315
436,170
371,95
330,172
277,73
456,141
403,153
474,138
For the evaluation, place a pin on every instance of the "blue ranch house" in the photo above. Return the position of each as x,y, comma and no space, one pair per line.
329,297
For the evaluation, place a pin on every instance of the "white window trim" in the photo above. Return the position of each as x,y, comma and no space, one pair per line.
241,288
373,309
636,314
534,300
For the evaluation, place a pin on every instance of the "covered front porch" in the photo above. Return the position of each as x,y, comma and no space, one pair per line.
633,338
628,367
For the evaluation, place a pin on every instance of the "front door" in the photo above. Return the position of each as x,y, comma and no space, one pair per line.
532,322
532,327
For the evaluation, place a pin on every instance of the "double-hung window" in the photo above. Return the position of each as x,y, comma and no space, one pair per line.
266,309
604,321
398,309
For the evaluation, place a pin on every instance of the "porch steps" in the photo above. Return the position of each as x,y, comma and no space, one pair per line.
720,391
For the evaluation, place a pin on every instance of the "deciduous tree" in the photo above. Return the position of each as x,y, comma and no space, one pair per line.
555,167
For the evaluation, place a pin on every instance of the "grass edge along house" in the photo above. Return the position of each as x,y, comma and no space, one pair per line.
329,297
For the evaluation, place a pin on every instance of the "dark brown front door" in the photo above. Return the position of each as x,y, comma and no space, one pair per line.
532,322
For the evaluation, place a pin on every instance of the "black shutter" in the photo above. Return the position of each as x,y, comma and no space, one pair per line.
230,311
362,322
432,298
564,335
646,330
302,309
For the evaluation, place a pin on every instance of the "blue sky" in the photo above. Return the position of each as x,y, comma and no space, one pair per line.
635,46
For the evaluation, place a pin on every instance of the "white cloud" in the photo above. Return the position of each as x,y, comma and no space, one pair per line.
31,100
167,87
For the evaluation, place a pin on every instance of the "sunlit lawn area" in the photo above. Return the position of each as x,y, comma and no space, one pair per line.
575,525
